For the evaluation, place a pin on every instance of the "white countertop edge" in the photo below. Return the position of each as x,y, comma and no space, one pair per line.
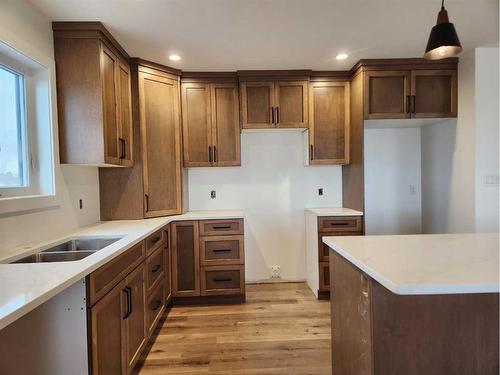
333,211
401,289
17,312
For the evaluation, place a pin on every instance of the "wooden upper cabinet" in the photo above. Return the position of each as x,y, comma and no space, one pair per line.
270,104
387,94
418,93
291,98
93,97
329,123
160,135
210,120
434,93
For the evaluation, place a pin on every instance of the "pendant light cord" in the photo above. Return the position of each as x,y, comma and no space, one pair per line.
442,4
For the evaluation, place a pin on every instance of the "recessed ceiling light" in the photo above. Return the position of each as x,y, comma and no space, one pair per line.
342,56
174,57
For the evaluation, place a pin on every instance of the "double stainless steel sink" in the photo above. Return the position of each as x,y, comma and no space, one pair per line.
68,251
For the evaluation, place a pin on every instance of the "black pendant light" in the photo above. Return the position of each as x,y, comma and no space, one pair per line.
443,41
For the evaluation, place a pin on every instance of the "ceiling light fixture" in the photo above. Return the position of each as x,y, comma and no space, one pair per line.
443,40
174,57
342,56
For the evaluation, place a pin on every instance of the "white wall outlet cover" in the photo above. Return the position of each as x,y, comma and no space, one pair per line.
275,272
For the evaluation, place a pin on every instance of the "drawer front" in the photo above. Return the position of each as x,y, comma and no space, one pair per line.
155,268
220,250
106,277
221,280
221,227
341,224
154,241
324,276
324,250
155,306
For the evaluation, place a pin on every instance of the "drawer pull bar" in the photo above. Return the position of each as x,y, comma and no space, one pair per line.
157,306
157,267
155,240
221,250
221,227
223,280
342,223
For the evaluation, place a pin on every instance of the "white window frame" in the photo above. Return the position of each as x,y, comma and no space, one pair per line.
38,70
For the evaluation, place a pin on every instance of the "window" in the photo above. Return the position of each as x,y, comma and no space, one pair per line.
13,132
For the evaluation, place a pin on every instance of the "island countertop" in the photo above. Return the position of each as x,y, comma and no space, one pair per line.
26,286
425,264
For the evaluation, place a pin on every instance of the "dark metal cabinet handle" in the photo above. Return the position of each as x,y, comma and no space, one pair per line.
147,202
223,280
312,152
408,100
272,115
157,306
215,154
155,240
122,148
127,312
277,115
221,250
340,223
156,268
130,300
166,239
221,227
210,154
413,109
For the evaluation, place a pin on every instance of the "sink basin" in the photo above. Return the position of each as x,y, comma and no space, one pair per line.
69,251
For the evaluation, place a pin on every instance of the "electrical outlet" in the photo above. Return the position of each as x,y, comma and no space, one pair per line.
276,272
213,194
320,191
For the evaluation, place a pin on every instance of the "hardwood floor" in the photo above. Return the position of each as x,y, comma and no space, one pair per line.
281,329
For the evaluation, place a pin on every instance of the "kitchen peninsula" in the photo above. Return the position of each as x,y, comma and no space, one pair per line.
415,304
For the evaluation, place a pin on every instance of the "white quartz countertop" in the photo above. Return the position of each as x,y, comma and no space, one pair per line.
24,286
334,211
425,264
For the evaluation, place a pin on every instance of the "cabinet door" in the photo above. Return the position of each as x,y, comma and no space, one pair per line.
160,133
291,104
197,125
257,100
387,95
125,115
329,123
109,78
108,333
434,93
135,327
185,258
226,127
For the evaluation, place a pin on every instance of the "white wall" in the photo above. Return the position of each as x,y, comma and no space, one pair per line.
392,181
273,187
487,123
21,22
448,176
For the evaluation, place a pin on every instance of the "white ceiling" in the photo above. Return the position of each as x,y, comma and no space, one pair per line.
221,35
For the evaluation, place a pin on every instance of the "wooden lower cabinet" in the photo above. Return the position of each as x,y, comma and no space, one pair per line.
155,307
211,264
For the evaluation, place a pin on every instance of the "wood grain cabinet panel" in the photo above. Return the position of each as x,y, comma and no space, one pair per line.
210,120
329,123
185,258
93,98
221,250
155,269
222,280
160,133
257,102
155,306
221,227
324,276
387,94
291,104
341,224
434,93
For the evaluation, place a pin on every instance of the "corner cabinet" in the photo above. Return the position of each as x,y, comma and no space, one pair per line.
210,121
93,96
274,104
419,93
329,123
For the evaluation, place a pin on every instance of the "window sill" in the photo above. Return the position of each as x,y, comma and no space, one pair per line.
10,206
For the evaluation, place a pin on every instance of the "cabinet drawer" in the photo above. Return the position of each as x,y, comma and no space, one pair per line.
341,224
324,250
106,277
220,250
154,241
218,280
155,306
324,276
155,268
221,227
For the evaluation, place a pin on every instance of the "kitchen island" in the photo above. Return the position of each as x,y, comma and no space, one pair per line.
415,304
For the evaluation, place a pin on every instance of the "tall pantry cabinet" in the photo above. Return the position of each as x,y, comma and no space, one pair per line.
154,185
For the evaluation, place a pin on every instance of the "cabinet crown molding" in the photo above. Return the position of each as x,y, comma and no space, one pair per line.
404,64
